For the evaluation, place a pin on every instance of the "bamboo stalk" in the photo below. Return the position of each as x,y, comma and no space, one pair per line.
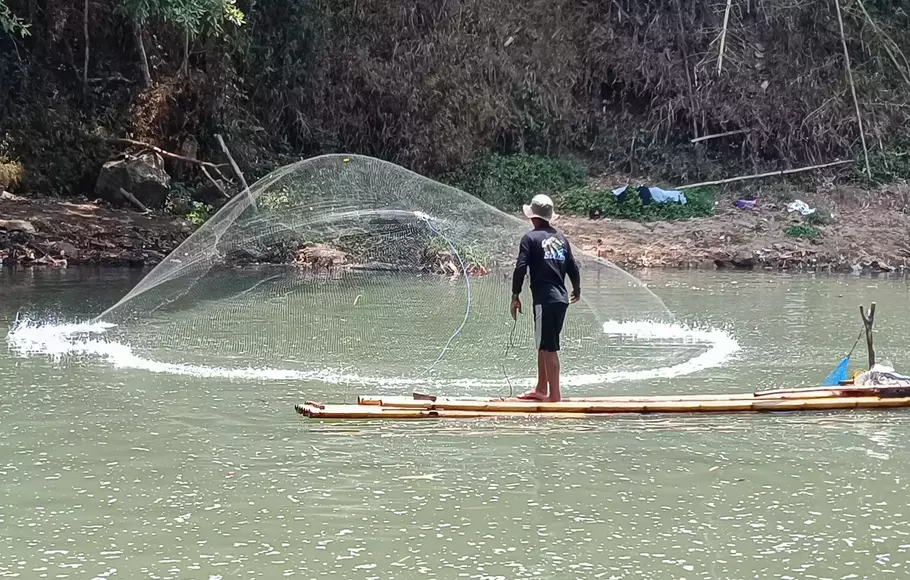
723,38
143,57
887,39
86,37
719,135
685,52
769,174
859,117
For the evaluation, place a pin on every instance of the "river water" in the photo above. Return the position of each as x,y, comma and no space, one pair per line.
121,473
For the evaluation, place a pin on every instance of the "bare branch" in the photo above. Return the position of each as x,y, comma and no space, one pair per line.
160,151
132,199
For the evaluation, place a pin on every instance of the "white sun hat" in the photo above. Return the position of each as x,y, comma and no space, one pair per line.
541,207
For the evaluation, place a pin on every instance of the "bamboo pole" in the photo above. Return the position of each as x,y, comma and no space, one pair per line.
719,135
723,38
859,117
769,174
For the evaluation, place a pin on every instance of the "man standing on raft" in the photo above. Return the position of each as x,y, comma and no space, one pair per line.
548,254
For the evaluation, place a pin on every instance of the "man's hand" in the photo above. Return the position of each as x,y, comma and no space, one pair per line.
576,295
516,307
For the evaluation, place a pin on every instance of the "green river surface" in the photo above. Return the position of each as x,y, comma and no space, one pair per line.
117,473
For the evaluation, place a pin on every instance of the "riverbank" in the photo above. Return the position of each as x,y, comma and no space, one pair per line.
57,233
867,233
862,231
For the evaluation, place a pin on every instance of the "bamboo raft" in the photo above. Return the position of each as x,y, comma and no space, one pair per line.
419,406
842,395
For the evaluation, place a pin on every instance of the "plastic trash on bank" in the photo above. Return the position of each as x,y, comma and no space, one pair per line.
801,207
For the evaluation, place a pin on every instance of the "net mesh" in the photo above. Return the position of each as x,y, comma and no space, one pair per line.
351,269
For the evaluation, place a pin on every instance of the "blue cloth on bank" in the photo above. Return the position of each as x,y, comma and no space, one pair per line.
655,194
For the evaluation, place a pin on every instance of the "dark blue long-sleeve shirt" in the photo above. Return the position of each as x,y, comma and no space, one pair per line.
549,256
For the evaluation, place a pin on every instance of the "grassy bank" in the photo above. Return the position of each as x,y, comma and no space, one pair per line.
508,181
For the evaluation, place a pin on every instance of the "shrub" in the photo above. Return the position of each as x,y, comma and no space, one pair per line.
200,213
508,181
11,174
583,201
803,232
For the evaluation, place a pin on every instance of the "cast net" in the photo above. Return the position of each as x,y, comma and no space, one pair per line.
353,270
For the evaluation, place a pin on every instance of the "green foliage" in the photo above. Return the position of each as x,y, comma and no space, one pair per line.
508,181
12,24
201,16
431,85
803,232
275,198
888,165
52,136
200,213
194,17
582,201
180,203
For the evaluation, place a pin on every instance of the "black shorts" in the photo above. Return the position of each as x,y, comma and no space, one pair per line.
548,321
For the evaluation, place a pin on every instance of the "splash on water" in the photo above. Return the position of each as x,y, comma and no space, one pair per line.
60,342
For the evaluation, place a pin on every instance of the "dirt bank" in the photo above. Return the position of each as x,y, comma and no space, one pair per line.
868,232
51,232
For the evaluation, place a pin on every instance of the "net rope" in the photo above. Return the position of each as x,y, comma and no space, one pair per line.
354,270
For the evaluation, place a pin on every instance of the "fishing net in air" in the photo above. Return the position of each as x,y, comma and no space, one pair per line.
353,270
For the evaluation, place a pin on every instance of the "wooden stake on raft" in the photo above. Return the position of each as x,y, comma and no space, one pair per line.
859,117
769,174
868,323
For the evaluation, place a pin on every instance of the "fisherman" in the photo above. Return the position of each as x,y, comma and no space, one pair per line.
548,254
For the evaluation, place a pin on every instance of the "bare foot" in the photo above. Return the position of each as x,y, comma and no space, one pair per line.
533,396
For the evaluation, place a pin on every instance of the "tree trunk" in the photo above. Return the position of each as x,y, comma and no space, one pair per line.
143,58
